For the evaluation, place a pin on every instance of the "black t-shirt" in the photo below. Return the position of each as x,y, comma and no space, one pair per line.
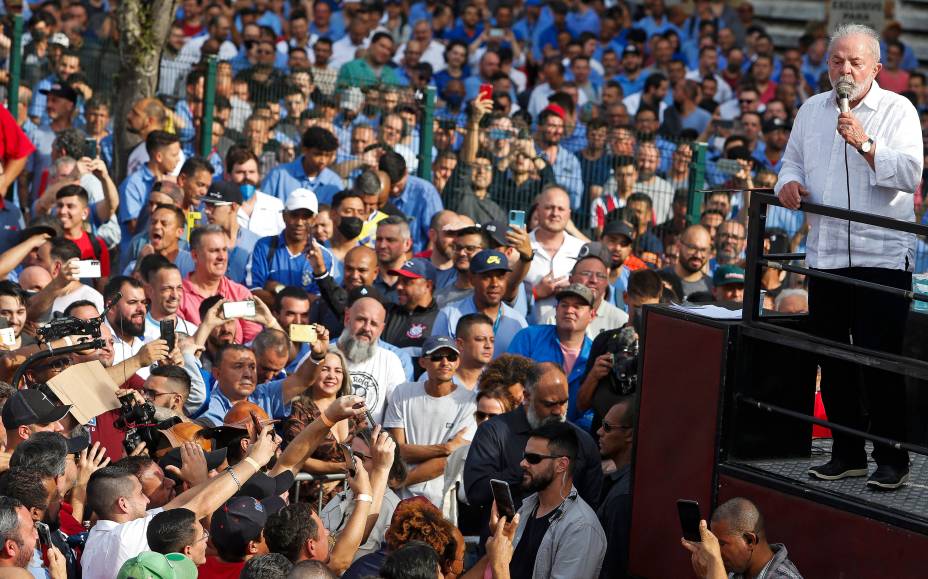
523,559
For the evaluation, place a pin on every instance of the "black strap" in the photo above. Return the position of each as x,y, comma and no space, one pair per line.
271,250
95,245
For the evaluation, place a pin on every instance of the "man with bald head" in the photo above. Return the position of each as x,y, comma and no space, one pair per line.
695,246
34,278
499,445
555,250
359,269
868,159
441,241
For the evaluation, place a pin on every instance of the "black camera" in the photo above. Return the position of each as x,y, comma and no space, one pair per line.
69,326
623,379
138,421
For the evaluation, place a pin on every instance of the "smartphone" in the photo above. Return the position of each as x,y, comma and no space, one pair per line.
728,166
486,91
517,218
303,333
167,333
505,507
726,124
348,455
8,337
689,519
90,148
496,32
242,309
88,268
45,534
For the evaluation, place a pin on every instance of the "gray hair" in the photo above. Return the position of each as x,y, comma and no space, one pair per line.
790,293
397,220
9,520
846,30
197,235
741,515
45,452
270,565
273,340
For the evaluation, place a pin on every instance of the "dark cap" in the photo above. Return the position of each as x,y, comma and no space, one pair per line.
728,274
619,227
435,343
238,521
576,289
61,90
214,460
31,406
630,49
417,268
496,231
489,260
364,291
263,486
777,124
597,250
78,442
223,192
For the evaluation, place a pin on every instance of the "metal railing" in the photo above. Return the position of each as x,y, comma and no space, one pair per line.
306,477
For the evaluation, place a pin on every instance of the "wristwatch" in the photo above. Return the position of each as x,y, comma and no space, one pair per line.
866,146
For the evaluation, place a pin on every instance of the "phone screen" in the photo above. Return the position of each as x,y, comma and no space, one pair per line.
517,218
503,497
689,519
167,333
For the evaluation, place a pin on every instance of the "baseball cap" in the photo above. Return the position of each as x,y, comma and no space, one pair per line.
489,260
416,268
239,520
223,193
576,289
619,227
777,124
435,343
728,274
557,109
214,460
62,90
236,423
364,291
302,199
78,442
459,224
183,432
31,406
263,486
61,39
630,49
151,565
598,250
496,230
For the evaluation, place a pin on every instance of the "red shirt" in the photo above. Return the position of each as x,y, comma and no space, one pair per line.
83,243
216,569
14,144
190,306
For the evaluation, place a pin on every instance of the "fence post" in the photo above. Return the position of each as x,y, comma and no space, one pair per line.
697,182
425,135
16,65
209,99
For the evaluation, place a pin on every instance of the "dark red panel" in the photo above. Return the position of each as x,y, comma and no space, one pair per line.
676,438
827,542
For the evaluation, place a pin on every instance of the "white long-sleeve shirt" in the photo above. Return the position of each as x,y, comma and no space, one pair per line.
814,157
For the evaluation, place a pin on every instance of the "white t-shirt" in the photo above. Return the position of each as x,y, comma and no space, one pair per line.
266,217
430,420
560,263
84,292
153,328
110,544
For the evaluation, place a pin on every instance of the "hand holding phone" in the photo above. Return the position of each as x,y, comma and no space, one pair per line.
243,309
167,334
689,519
517,219
88,268
505,507
486,92
303,333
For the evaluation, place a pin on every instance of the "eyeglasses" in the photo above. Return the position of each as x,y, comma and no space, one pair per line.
592,274
205,536
466,248
535,458
480,415
730,236
450,356
746,101
152,394
554,403
695,249
607,428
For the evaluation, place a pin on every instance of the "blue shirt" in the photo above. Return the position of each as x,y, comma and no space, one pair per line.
187,132
285,178
508,323
269,396
133,195
629,86
419,201
284,267
541,344
579,22
569,175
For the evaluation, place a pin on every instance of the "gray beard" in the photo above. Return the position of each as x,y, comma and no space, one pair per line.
536,421
356,351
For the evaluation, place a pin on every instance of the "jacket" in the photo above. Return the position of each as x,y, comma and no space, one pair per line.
779,567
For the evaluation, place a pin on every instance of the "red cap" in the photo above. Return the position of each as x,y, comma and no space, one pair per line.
556,109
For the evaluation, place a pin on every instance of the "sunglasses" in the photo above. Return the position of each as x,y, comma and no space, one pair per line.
480,415
535,458
450,356
607,428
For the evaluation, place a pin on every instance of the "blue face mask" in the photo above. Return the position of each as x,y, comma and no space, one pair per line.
248,191
454,100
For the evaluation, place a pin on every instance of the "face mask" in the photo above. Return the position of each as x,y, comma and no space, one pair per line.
454,100
350,227
248,191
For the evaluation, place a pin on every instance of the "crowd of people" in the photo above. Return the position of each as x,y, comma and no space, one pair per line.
299,301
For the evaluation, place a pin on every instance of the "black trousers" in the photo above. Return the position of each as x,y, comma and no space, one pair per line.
858,396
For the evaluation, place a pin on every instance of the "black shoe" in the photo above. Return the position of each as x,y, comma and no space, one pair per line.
888,478
836,469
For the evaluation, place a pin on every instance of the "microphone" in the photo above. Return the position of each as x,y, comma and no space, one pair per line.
843,89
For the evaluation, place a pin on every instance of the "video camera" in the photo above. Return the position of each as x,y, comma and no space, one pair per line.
63,326
138,422
623,379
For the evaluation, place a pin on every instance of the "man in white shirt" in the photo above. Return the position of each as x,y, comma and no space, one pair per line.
115,494
430,419
555,249
127,316
164,289
218,29
879,141
346,48
59,257
260,213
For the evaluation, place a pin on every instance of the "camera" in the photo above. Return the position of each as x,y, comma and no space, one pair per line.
623,379
138,421
69,326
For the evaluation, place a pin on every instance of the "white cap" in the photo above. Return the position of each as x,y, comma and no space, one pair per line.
302,199
61,39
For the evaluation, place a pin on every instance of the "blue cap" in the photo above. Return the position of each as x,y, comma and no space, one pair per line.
435,343
489,260
417,268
